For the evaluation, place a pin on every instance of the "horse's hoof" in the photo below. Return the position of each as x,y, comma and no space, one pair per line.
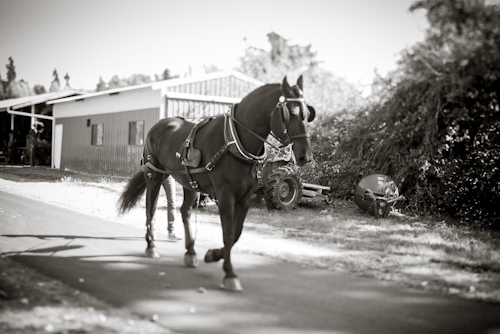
209,256
190,260
152,253
231,284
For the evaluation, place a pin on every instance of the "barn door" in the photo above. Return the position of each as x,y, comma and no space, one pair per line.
58,146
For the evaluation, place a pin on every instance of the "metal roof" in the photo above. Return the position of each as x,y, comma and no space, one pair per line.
26,101
166,84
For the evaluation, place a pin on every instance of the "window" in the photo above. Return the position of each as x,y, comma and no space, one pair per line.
136,133
97,134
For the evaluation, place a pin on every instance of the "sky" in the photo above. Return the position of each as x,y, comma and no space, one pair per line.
89,39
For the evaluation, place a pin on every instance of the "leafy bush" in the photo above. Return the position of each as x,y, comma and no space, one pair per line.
434,126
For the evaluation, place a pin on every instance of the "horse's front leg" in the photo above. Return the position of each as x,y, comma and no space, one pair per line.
153,183
190,259
232,217
240,212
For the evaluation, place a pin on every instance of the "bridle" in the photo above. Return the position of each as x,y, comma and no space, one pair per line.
282,108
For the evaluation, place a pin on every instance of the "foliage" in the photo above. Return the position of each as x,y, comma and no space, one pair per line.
19,89
133,80
434,124
11,71
55,85
39,89
2,90
11,88
326,92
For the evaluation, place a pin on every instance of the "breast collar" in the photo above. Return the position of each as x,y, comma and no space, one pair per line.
233,141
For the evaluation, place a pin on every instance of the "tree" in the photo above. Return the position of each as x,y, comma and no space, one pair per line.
101,85
166,75
210,68
328,93
116,82
55,86
11,71
39,89
67,85
19,89
2,90
138,79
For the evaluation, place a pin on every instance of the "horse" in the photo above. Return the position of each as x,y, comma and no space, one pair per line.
232,152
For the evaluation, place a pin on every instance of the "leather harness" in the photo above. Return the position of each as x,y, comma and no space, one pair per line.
232,144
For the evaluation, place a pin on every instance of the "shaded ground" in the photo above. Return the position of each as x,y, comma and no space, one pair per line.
33,303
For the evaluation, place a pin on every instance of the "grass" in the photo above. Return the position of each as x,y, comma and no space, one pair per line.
421,252
47,174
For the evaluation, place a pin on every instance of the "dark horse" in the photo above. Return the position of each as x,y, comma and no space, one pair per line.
230,177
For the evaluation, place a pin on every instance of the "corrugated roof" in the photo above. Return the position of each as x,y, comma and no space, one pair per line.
205,77
26,101
168,83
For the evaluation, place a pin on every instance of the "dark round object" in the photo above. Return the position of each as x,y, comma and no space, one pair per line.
382,187
283,189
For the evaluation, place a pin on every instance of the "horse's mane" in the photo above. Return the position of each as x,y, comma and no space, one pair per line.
260,90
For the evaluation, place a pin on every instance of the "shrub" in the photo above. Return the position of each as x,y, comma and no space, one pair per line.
434,124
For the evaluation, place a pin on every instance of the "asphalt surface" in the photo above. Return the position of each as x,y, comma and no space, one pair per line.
107,260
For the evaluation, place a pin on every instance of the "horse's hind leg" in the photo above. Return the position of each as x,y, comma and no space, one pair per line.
153,183
190,259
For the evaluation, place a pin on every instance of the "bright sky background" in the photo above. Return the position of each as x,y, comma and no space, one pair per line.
92,38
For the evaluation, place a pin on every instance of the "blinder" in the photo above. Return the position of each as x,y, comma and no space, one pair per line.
279,126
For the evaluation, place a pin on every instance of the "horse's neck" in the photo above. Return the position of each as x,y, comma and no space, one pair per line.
257,118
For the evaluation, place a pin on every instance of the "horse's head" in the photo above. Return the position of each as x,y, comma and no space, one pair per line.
289,121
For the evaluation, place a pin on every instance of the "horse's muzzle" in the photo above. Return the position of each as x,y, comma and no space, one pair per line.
304,159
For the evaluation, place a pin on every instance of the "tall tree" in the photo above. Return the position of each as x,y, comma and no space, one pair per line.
55,86
11,71
101,85
167,74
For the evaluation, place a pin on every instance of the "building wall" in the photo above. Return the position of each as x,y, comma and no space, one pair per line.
115,156
116,110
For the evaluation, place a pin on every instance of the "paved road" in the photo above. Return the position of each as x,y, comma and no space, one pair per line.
279,297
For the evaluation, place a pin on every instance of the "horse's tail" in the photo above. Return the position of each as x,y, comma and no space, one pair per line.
132,193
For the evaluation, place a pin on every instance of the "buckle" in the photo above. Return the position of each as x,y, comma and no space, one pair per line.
209,166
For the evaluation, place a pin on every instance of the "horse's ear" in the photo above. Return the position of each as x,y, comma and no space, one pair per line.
312,114
300,83
287,90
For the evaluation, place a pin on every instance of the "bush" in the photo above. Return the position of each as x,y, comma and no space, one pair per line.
434,125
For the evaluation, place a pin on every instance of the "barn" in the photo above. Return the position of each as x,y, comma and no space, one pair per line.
18,116
103,133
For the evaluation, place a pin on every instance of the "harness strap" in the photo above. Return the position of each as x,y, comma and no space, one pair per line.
256,135
188,170
162,171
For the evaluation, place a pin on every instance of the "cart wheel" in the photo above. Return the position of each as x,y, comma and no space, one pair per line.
328,200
